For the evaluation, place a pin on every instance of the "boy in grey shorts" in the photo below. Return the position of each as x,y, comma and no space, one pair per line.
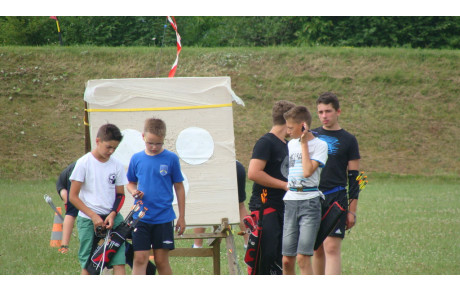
302,215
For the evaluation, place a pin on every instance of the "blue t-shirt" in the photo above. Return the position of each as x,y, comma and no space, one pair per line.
155,176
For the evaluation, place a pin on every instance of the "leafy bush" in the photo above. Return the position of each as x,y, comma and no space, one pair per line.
213,31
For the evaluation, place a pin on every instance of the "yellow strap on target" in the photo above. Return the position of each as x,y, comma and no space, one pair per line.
159,108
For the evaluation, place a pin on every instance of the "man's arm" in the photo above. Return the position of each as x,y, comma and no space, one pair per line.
119,201
256,173
180,195
63,195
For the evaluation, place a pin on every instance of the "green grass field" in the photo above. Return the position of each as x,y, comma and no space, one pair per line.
406,226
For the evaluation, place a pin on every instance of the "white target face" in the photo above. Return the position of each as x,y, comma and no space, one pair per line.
131,143
195,145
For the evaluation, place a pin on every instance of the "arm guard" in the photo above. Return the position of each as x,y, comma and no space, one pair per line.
119,200
353,185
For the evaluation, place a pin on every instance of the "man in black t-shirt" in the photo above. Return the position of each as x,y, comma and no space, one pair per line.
340,170
268,169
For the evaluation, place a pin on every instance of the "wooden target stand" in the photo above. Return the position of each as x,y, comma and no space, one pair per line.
214,238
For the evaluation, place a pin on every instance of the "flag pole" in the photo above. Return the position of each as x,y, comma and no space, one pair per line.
173,23
58,29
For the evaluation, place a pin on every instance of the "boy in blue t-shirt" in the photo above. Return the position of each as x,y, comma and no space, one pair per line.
152,173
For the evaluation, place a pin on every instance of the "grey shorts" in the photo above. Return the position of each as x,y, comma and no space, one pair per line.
301,223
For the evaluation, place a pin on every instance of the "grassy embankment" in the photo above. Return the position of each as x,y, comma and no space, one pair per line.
400,103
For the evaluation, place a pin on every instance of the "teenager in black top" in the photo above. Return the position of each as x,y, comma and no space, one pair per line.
340,170
268,169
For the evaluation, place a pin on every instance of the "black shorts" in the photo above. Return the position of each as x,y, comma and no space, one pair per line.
341,197
148,236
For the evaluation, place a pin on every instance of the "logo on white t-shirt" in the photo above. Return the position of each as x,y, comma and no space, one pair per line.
112,179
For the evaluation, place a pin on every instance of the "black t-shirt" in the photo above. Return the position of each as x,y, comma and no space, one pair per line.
63,181
342,147
273,150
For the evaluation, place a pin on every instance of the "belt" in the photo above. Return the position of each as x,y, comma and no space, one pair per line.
333,190
303,189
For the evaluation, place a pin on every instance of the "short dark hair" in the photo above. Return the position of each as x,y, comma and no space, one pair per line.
155,126
109,132
279,109
299,114
329,98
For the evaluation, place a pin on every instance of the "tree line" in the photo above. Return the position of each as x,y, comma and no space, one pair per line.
436,32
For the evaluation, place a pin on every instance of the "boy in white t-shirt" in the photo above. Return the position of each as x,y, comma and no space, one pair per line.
97,190
302,216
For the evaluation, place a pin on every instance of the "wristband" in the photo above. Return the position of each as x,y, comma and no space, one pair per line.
119,200
353,185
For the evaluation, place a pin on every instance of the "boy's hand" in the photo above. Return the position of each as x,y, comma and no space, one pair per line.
305,131
180,226
305,128
97,221
108,222
286,188
351,220
138,194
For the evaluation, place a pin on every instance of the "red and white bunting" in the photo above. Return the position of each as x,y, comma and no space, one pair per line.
172,21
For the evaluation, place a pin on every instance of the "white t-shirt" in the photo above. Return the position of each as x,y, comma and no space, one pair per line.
318,152
99,182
